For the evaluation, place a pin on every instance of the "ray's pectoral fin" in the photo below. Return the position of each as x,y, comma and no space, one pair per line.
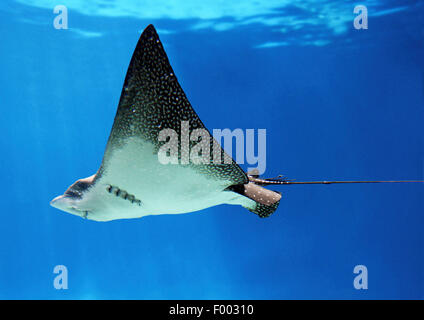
152,100
265,201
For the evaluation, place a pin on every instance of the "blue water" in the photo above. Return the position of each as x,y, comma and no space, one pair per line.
337,103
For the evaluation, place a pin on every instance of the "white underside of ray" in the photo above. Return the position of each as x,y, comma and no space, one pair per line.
162,188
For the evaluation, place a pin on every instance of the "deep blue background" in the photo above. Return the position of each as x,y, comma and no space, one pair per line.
350,108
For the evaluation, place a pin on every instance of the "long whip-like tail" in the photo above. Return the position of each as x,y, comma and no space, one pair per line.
267,201
280,181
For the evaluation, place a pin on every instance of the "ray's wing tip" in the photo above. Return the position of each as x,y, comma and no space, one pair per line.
149,31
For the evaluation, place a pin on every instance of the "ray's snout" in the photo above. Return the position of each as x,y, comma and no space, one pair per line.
62,203
55,201
66,204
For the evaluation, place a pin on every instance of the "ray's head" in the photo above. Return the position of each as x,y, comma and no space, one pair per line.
72,200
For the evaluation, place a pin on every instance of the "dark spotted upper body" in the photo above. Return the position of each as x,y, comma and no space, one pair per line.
152,100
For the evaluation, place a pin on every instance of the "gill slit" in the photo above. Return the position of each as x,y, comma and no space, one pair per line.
118,192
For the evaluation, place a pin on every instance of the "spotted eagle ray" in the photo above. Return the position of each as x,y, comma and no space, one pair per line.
132,183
